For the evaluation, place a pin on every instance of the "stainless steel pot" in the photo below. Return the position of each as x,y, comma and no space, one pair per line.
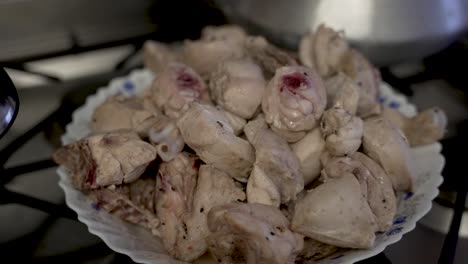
387,31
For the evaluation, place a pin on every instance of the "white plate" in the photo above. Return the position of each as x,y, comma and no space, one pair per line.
142,247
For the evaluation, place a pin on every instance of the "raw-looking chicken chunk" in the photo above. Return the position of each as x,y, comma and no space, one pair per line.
367,77
207,130
157,55
336,213
105,159
309,150
214,188
342,131
251,233
342,92
238,86
132,202
387,145
175,186
323,50
425,128
276,177
176,87
327,51
231,33
165,135
375,185
314,250
237,123
265,54
294,101
205,55
120,112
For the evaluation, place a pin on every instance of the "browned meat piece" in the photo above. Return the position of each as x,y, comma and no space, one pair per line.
105,159
294,102
132,202
251,233
176,87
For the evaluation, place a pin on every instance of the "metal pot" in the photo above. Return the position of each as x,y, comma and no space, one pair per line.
386,31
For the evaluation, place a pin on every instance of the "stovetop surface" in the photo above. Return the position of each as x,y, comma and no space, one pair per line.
67,239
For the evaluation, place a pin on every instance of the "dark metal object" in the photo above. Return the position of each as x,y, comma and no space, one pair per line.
9,102
451,240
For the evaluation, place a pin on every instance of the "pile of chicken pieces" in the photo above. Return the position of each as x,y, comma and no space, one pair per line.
262,156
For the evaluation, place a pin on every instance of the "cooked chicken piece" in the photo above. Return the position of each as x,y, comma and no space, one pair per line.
323,50
294,101
237,123
175,186
314,250
165,135
132,202
157,55
105,159
231,33
358,68
336,213
276,170
328,52
375,185
176,87
367,78
380,194
387,145
255,233
269,57
238,86
425,128
342,131
120,112
214,188
207,131
368,106
204,56
261,188
342,92
308,150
